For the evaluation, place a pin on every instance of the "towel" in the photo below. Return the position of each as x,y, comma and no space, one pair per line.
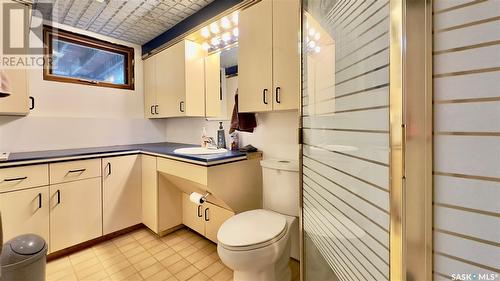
244,122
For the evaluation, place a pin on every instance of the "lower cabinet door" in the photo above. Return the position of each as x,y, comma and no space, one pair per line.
25,211
214,217
192,215
121,189
75,213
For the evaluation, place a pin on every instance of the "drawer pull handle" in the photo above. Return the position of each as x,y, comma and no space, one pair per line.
39,200
16,179
206,214
58,196
77,171
278,94
199,211
109,168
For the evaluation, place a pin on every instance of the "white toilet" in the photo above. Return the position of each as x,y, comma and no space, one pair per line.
257,244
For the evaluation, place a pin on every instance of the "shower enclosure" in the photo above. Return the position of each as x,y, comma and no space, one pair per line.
400,140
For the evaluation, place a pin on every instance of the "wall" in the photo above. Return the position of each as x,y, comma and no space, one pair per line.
71,115
466,139
275,135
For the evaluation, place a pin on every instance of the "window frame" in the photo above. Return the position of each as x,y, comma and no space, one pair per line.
49,33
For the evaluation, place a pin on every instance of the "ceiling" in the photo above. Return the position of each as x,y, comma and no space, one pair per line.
135,21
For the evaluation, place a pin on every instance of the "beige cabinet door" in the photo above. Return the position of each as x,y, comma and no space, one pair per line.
150,87
255,58
171,81
195,79
213,93
214,217
192,215
25,211
149,193
75,213
122,192
17,103
286,54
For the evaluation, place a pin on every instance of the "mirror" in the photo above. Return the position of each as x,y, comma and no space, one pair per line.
229,82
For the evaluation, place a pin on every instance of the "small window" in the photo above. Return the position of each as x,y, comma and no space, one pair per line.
74,58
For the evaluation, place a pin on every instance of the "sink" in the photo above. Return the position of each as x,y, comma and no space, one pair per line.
199,150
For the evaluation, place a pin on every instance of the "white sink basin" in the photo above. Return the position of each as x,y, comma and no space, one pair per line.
199,150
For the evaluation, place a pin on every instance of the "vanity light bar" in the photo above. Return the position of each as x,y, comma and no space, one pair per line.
221,33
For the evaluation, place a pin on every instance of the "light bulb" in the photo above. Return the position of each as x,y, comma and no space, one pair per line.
312,32
236,32
226,37
234,18
205,32
225,23
214,28
317,49
215,41
312,44
205,46
317,36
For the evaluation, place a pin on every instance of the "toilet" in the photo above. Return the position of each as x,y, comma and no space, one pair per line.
257,244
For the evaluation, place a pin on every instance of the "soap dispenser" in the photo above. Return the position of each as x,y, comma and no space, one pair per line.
221,137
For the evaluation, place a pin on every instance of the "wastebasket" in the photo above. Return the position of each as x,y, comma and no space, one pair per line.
24,258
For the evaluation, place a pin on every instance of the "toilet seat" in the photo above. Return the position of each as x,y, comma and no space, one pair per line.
252,230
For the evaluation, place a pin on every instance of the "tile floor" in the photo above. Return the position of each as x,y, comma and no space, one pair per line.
141,255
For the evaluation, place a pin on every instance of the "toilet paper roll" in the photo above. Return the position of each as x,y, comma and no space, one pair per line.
197,198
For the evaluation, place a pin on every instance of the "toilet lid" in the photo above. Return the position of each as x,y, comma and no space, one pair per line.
251,228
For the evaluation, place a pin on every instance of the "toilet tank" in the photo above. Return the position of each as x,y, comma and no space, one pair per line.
280,186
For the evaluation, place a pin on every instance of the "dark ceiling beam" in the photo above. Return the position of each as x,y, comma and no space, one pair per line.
209,11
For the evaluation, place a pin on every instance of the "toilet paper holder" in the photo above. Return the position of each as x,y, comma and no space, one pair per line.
197,198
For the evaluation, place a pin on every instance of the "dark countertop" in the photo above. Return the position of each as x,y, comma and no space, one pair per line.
165,149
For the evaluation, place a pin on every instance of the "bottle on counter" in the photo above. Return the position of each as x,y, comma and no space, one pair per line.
221,137
235,142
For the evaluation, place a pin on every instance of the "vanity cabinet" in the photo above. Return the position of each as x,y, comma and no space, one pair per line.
25,211
174,82
75,213
18,102
269,56
121,192
205,219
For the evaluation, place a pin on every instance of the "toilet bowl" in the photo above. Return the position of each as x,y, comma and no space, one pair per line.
257,244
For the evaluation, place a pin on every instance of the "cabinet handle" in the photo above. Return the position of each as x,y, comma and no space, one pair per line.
278,92
156,109
109,168
181,106
152,113
264,96
32,106
206,214
39,200
77,171
16,179
199,211
58,196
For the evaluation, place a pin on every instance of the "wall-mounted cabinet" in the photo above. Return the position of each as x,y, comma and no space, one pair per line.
174,82
269,56
18,102
213,92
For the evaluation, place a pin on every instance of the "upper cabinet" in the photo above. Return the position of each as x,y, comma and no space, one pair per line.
17,103
174,82
213,91
269,56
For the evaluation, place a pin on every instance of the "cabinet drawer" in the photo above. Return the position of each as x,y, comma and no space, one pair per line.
23,177
183,170
74,170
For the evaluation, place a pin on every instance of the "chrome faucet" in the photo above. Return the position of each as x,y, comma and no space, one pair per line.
208,141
